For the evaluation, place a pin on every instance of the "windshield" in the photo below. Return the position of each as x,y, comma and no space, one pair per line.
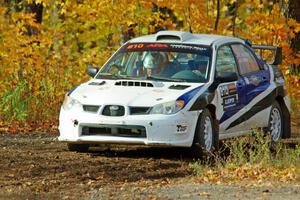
163,62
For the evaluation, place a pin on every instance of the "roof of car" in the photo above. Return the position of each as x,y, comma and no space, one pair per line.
185,37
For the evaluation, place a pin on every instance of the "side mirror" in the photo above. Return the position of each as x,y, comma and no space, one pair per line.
92,71
227,77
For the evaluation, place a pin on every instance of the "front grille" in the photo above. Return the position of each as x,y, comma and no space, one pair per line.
89,108
134,83
113,110
139,110
115,130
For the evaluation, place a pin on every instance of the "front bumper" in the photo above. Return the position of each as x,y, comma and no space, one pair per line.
163,130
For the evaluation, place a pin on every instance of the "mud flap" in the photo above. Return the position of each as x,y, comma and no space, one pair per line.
216,135
287,120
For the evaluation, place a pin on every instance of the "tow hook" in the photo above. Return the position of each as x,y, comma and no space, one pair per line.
75,122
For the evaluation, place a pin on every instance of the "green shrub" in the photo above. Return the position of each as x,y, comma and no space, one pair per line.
14,104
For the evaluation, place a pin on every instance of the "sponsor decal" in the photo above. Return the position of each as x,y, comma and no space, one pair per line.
229,95
180,46
141,46
166,47
157,90
157,45
229,102
181,128
150,46
228,89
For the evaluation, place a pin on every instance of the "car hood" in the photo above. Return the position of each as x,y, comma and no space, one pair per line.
139,93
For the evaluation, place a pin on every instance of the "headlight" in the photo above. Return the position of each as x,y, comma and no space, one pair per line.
70,103
168,108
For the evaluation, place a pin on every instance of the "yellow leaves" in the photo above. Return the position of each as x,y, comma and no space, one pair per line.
294,25
297,28
75,33
250,173
260,5
2,10
292,22
204,194
287,72
43,2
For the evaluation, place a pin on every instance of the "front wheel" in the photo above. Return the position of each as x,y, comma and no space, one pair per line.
276,122
78,147
206,140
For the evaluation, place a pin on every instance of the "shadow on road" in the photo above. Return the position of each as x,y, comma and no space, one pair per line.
171,153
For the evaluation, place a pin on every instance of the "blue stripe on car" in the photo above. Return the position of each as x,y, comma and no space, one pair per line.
230,113
186,97
71,91
227,115
249,96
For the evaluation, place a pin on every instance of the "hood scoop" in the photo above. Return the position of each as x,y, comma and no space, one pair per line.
179,87
134,84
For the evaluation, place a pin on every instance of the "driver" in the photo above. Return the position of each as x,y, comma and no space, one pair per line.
154,62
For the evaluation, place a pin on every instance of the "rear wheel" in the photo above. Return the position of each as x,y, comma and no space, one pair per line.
206,140
78,147
276,122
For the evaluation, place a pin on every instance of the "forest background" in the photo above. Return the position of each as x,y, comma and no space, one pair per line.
46,45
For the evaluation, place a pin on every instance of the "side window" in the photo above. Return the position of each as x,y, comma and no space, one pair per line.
225,61
245,59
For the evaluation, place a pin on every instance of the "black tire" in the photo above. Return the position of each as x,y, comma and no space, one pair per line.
200,147
276,133
78,147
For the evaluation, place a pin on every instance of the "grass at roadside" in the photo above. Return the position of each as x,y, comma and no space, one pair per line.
253,159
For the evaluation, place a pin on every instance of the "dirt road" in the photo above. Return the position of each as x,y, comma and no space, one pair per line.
39,167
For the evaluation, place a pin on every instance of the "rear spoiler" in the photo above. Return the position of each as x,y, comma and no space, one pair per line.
277,51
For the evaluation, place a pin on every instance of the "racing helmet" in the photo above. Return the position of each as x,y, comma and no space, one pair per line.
152,60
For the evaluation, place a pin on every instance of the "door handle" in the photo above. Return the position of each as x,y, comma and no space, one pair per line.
240,85
264,78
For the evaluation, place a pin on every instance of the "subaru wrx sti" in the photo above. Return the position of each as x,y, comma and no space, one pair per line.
176,88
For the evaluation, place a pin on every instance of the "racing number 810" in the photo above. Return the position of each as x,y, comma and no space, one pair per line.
135,46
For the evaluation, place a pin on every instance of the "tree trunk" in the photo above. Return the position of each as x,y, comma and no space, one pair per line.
218,15
294,12
236,7
37,10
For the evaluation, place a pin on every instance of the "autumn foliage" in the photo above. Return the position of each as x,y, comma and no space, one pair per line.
40,60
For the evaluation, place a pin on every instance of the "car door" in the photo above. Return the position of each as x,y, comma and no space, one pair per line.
230,95
257,82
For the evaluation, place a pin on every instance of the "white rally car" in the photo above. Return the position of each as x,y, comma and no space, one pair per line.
177,89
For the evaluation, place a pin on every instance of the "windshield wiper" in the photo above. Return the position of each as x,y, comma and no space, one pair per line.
159,78
149,77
